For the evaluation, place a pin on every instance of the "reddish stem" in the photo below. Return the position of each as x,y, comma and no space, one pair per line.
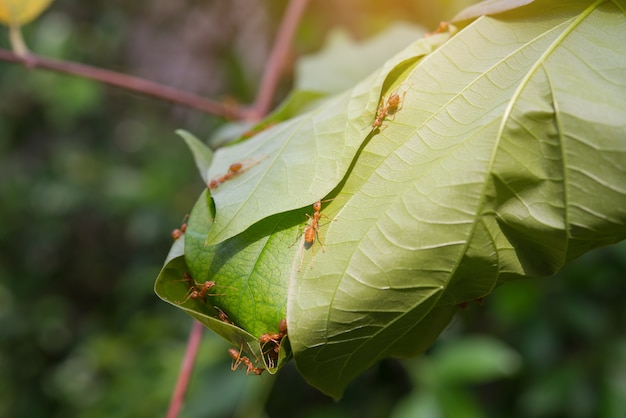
261,106
195,337
277,59
135,84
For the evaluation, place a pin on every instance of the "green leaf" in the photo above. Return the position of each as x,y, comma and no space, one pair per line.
498,170
299,161
254,298
202,155
343,62
297,103
505,159
473,360
252,308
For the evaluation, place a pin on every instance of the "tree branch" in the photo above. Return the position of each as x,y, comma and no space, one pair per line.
262,104
134,84
277,58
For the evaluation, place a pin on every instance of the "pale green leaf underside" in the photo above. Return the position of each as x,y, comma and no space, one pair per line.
202,155
506,160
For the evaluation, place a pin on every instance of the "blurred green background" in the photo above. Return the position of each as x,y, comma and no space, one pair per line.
93,180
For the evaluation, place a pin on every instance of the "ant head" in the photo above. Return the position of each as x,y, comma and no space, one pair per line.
234,353
317,206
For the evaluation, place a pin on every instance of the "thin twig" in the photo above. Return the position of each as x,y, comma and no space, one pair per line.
277,58
195,337
262,104
135,84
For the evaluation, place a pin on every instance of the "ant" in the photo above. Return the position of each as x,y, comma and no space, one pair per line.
258,129
178,232
312,229
239,360
233,170
270,337
390,108
275,339
222,316
197,290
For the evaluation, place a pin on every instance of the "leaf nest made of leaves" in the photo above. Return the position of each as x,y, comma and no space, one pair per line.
464,162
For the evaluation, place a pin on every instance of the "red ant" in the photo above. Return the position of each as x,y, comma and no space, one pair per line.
222,316
239,359
393,105
177,233
270,337
282,327
233,170
312,229
274,339
197,290
258,129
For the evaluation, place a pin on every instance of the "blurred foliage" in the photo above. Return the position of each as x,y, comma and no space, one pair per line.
92,181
